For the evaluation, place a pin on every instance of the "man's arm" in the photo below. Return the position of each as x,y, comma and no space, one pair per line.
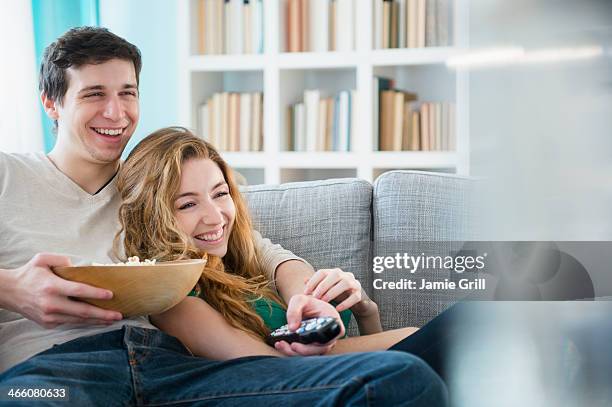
35,292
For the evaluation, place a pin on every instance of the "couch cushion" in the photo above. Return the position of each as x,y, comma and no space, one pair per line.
416,206
327,223
431,206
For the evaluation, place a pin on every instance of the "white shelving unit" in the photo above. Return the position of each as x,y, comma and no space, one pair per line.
282,77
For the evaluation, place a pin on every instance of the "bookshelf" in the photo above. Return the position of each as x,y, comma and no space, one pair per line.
283,76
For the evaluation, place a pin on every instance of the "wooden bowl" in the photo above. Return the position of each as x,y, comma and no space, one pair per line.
138,290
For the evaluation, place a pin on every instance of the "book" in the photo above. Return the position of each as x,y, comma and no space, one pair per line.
257,26
415,144
329,127
256,143
399,113
304,25
401,12
300,127
210,131
333,25
395,144
431,26
245,122
438,126
378,24
386,24
443,13
393,31
420,24
319,26
344,120
237,25
203,121
293,26
379,84
247,29
411,19
452,142
217,119
335,122
202,27
432,127
209,26
234,122
288,140
406,127
354,120
387,102
446,132
311,101
424,125
321,125
227,28
345,32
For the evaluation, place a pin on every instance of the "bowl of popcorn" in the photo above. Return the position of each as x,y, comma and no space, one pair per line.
139,287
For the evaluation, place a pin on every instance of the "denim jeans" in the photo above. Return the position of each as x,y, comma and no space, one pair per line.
136,366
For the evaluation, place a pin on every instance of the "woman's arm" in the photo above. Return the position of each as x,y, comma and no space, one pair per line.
367,316
370,343
206,333
292,276
296,277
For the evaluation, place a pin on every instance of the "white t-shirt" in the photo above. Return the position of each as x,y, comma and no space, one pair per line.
42,210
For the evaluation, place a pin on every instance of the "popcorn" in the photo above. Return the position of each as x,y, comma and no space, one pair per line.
131,261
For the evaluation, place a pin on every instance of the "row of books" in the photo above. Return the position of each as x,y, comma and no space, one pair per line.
230,27
402,123
321,123
418,126
412,23
320,25
233,121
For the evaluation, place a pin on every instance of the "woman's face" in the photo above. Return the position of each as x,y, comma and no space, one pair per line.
203,206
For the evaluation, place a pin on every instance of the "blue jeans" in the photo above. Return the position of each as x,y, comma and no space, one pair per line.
136,366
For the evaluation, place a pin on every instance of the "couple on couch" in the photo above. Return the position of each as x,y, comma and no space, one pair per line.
176,198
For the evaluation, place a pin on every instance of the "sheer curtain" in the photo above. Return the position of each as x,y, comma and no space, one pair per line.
20,126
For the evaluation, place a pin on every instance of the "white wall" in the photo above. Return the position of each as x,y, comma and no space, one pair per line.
19,132
151,26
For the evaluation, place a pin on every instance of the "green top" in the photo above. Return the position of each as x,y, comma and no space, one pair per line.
275,316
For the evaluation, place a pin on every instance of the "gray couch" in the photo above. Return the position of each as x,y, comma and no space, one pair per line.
343,222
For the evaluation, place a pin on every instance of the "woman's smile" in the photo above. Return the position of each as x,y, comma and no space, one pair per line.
213,237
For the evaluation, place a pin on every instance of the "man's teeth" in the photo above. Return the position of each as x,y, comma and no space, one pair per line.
211,236
109,132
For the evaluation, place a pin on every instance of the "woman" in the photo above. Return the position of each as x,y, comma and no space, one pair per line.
180,201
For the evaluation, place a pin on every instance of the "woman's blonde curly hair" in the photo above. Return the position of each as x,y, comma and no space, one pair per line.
148,183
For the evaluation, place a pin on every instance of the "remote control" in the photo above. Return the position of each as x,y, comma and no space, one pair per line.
320,330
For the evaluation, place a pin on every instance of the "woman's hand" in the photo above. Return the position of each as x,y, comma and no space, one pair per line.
343,287
302,307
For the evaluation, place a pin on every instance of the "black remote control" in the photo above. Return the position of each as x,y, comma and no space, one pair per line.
320,330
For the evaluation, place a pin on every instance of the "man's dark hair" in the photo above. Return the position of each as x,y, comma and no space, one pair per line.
82,46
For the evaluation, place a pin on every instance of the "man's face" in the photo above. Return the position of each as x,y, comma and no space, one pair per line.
100,110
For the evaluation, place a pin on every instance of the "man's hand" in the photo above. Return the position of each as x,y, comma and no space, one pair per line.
301,307
35,292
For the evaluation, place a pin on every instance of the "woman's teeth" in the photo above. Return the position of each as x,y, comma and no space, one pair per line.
211,237
109,132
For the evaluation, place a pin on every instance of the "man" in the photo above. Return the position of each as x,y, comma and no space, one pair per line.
67,203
